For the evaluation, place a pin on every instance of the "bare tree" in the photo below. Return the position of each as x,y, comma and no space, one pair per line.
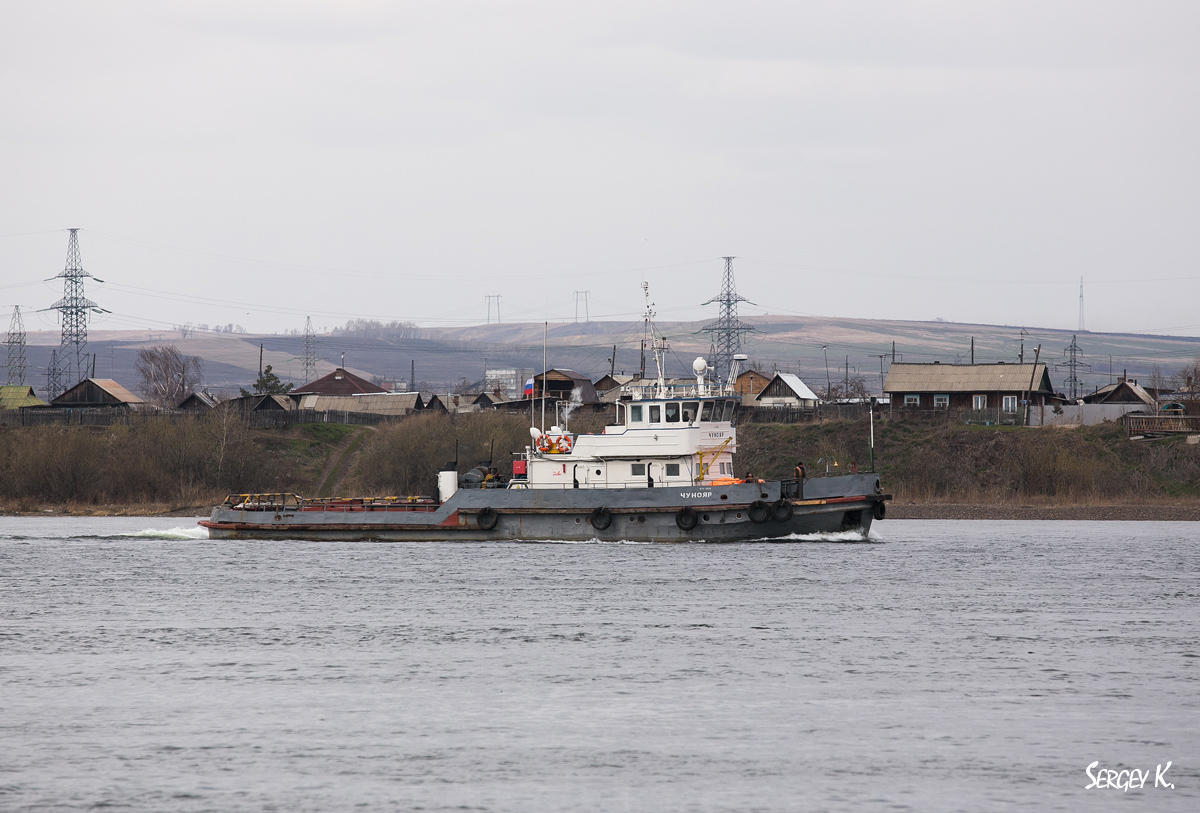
167,376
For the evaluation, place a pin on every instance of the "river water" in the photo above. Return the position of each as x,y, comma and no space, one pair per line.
937,665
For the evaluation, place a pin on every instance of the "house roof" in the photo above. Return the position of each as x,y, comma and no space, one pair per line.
792,382
195,400
15,396
1121,392
375,403
947,378
339,382
98,392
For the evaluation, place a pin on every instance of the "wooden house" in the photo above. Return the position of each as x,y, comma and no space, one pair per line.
98,393
786,390
1000,386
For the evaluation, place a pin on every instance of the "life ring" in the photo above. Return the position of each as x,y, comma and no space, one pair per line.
601,518
487,518
686,518
781,511
543,443
562,444
759,511
879,509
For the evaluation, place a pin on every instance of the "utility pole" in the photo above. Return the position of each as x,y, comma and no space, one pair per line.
16,348
1029,392
74,308
310,351
972,350
727,332
612,363
1081,327
828,383
54,387
1073,365
412,375
1021,355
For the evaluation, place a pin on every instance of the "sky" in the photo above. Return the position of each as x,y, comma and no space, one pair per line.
256,163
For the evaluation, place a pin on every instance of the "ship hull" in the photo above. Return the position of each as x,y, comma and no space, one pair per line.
734,513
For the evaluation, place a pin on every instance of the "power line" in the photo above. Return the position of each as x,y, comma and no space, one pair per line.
74,308
727,332
310,351
16,348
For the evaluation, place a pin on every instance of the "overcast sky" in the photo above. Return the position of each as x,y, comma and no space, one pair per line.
256,162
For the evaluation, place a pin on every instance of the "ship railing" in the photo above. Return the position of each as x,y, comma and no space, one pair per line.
286,501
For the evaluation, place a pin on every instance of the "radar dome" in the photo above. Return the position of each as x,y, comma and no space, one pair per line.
699,366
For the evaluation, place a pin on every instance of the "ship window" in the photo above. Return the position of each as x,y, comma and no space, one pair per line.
728,416
690,410
672,469
635,414
638,469
655,414
672,412
706,411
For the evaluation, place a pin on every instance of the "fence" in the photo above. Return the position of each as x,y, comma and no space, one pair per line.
1162,424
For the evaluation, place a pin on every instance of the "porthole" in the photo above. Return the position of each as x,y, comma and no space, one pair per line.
724,496
739,515
633,519
641,519
577,520
706,517
598,471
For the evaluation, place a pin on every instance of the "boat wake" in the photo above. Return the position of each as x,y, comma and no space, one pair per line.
194,532
834,536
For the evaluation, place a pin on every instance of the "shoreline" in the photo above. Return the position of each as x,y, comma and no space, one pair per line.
1157,512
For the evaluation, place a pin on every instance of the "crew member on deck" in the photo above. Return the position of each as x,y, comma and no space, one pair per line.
800,474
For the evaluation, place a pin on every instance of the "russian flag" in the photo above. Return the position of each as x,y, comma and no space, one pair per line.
529,388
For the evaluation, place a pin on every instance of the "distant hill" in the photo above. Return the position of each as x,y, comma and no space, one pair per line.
447,357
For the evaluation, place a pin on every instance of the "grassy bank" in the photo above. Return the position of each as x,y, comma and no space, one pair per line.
158,466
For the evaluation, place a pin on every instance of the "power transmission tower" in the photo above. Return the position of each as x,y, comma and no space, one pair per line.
1081,327
310,351
74,307
490,298
54,387
727,331
1073,365
16,348
582,295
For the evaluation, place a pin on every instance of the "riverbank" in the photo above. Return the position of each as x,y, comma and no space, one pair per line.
1186,512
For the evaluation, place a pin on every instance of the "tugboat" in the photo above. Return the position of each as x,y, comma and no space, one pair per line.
661,472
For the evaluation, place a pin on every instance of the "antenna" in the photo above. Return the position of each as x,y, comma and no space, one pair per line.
582,296
1081,327
74,307
310,351
16,348
727,332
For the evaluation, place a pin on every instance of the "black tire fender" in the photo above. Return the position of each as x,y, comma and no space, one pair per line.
487,518
759,511
601,518
781,511
686,518
879,510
